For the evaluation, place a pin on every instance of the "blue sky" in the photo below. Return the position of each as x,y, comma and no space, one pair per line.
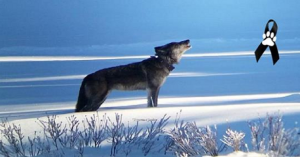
69,23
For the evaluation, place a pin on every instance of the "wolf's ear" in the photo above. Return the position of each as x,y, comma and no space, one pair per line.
159,51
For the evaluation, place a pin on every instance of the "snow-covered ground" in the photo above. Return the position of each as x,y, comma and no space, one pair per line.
226,89
200,80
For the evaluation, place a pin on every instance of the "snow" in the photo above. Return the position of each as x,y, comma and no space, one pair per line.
90,58
243,154
209,93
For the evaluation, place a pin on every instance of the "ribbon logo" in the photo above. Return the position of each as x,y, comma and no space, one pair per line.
269,39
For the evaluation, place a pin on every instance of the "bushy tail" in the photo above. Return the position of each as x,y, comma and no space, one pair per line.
82,99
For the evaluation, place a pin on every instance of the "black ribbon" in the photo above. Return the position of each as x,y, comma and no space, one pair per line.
261,48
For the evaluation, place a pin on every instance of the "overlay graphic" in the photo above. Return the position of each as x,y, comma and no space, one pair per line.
269,40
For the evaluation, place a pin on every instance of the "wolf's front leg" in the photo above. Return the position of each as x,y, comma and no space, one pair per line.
149,101
153,97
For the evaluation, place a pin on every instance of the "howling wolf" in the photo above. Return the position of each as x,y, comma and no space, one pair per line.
149,74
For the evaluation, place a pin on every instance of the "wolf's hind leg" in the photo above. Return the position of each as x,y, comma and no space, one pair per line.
96,92
98,101
95,102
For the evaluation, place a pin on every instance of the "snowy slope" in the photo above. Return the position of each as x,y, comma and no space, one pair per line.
223,89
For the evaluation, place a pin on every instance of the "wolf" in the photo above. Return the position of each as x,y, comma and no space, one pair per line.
149,74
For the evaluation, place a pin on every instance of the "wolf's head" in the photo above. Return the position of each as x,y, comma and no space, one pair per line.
173,52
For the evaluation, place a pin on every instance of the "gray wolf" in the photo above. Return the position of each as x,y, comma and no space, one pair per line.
149,74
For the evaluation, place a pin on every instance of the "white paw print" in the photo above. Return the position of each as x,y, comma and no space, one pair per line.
269,39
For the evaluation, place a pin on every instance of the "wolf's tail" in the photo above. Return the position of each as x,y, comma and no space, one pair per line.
82,99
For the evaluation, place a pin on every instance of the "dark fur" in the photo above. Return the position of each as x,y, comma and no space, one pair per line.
149,74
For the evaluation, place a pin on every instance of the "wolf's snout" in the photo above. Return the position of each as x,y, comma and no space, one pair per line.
187,43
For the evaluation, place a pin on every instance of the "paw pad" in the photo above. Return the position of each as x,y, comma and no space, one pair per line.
269,39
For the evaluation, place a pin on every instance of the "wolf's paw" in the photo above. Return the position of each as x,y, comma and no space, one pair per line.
269,39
